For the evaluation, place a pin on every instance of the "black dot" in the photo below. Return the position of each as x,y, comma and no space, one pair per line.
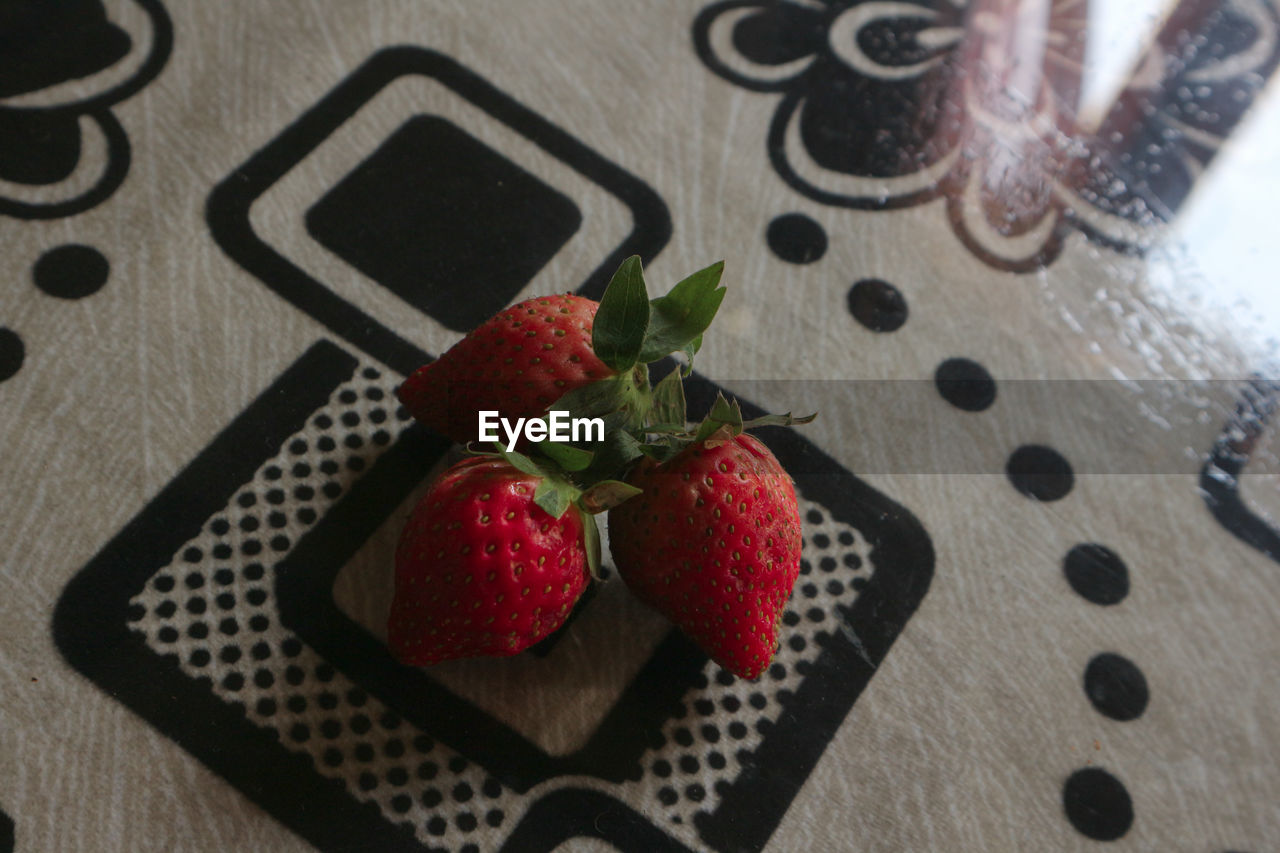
367,781
12,352
737,730
72,271
226,601
437,825
224,577
247,499
229,654
275,496
364,752
1097,804
328,700
668,796
266,707
348,396
1096,573
689,764
291,647
494,817
253,572
331,489
662,768
1116,687
272,472
259,623
328,466
393,748
195,580
221,551
466,822
323,421
716,760
462,793
260,651
200,657
325,444
877,305
360,724
1040,473
965,384
796,239
165,609
457,764
428,770
234,681
378,415
331,729
333,757
791,618
695,792
294,675
298,447
249,523
168,635
353,441
350,419
263,678
731,703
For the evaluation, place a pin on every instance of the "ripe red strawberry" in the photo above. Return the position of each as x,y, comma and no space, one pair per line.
713,544
481,569
517,363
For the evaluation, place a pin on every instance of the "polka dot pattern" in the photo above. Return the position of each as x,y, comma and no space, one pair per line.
213,608
724,718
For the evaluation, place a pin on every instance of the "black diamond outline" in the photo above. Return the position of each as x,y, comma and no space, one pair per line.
227,211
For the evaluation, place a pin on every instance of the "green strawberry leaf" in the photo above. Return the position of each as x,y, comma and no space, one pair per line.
618,450
606,495
690,350
591,539
622,320
663,449
723,414
554,496
566,456
777,420
668,400
679,318
521,462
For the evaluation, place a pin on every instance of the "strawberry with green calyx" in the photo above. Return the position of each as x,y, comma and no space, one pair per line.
493,559
713,540
565,352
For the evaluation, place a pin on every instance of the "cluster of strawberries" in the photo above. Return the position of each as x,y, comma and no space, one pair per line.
703,521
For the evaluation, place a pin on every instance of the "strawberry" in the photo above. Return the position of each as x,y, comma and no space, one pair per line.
713,541
517,363
483,569
589,356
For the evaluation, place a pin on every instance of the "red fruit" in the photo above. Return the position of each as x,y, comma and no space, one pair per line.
481,569
517,363
713,544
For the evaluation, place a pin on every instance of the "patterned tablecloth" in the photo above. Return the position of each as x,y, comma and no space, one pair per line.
1038,605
